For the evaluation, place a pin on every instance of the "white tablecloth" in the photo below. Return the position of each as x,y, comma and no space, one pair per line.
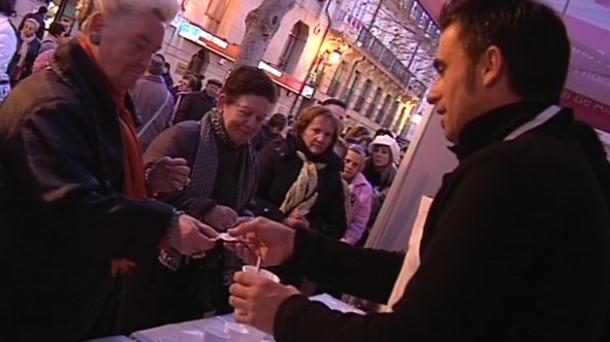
112,339
192,331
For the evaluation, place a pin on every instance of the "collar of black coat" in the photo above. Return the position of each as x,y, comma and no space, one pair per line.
494,126
74,66
292,144
204,94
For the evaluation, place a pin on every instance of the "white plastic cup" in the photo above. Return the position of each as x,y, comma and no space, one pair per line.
262,272
240,332
167,339
214,334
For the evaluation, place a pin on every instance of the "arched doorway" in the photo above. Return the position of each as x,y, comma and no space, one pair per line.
199,62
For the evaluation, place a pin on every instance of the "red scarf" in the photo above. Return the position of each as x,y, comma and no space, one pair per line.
135,180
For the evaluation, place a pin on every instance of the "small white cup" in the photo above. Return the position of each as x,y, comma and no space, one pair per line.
263,273
214,334
240,332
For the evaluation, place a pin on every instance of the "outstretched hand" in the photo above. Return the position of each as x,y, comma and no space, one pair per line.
270,240
192,237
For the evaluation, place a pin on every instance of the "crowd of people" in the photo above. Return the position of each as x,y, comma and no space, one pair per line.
209,157
115,184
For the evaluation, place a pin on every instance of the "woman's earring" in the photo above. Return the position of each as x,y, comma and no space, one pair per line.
95,39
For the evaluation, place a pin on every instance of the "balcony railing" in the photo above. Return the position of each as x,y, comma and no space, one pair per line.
384,56
375,48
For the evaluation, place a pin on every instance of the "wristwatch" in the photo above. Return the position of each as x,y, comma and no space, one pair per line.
169,256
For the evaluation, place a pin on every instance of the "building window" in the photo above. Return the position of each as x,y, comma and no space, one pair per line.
399,120
371,110
365,92
289,59
384,109
338,77
389,118
198,63
216,11
347,95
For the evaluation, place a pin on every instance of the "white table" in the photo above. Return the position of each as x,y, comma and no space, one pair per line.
192,331
112,339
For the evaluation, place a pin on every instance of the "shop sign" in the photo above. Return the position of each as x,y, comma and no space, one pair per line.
308,91
268,68
200,36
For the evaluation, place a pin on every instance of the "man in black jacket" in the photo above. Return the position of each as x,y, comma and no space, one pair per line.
516,244
195,105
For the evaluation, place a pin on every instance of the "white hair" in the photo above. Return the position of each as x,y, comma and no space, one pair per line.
165,10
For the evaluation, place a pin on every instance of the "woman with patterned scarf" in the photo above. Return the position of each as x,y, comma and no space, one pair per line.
300,178
27,50
223,182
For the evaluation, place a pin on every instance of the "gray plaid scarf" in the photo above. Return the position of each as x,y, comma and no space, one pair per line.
205,169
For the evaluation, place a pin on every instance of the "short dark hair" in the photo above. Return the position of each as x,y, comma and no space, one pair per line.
43,10
160,55
384,131
155,66
531,36
247,80
214,82
192,80
335,102
7,7
56,29
278,121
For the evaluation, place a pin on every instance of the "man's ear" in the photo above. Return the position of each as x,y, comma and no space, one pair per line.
96,26
222,101
492,65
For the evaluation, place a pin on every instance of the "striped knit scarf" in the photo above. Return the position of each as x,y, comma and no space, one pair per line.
205,169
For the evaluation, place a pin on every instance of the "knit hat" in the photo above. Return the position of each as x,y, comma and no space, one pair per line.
386,140
33,22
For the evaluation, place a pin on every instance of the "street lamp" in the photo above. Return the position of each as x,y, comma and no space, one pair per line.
335,57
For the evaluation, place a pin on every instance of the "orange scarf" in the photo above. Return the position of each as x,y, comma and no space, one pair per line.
135,180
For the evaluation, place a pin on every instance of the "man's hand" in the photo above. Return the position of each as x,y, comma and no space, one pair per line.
221,218
273,241
192,237
168,175
257,299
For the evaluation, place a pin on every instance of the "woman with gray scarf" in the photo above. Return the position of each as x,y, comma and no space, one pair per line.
223,182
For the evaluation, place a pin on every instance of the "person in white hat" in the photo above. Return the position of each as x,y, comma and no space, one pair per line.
380,170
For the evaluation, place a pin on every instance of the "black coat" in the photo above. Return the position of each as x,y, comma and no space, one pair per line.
263,138
193,106
28,64
515,248
279,169
63,213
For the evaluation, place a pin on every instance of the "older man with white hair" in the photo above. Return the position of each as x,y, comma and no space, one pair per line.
74,194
